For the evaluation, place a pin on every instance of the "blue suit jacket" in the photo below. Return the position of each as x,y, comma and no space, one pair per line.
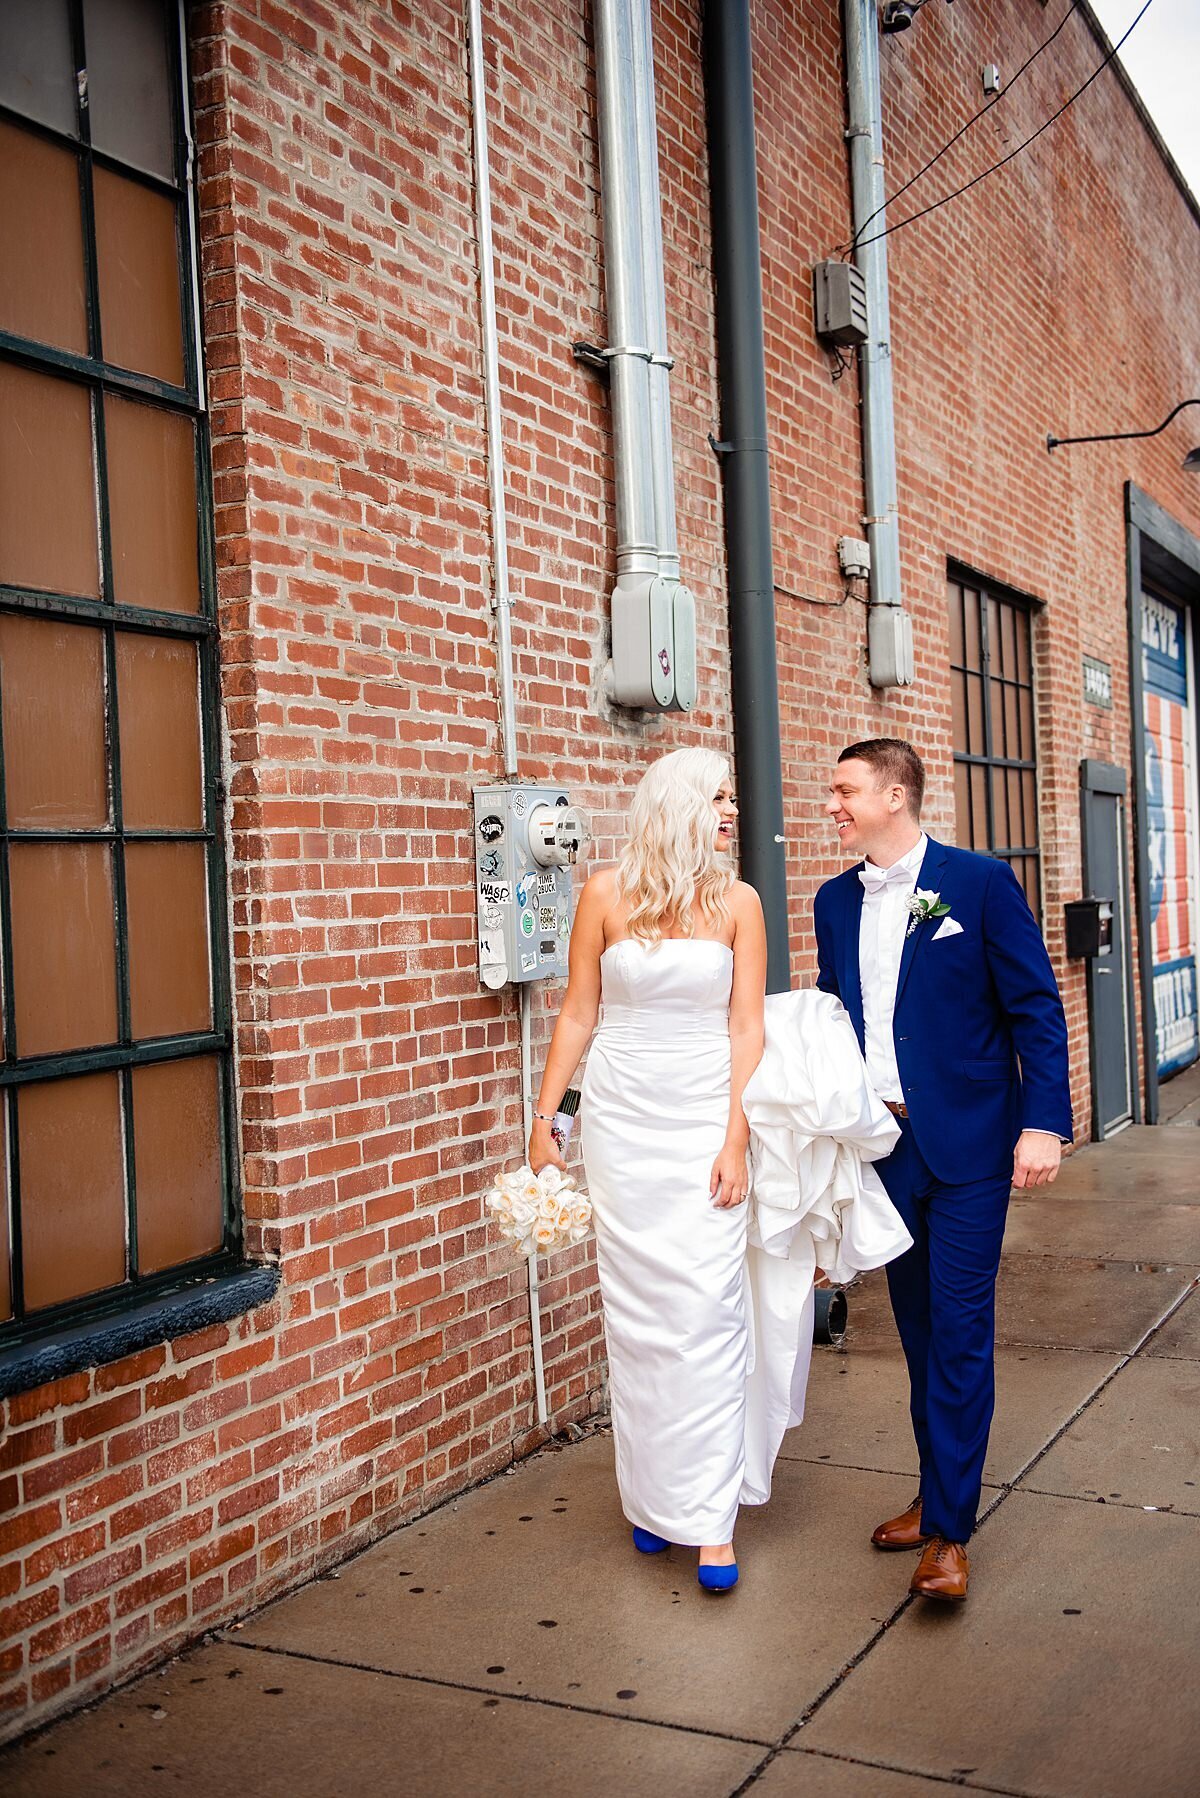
980,1036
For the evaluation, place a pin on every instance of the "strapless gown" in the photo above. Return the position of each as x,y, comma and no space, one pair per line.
708,1313
655,1105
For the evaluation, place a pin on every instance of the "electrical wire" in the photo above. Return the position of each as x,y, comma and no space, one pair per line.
974,182
961,132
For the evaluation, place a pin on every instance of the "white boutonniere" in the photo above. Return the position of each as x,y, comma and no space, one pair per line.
924,905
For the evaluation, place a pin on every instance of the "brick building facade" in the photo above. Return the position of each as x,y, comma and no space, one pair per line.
359,1347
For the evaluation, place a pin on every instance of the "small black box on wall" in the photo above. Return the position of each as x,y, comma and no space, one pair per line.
1083,927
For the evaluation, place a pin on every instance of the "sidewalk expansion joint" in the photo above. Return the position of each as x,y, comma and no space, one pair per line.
1110,1504
960,1781
463,1685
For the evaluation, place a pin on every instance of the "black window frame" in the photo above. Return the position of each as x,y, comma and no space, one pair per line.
138,1293
986,592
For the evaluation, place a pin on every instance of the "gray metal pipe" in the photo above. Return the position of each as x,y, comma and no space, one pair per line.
625,290
502,597
733,185
865,136
650,204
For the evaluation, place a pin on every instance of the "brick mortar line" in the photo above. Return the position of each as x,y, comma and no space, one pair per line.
462,1685
1005,1492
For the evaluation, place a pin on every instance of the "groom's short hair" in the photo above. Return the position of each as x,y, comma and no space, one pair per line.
896,764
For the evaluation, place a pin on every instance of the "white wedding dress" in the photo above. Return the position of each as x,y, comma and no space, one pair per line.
708,1313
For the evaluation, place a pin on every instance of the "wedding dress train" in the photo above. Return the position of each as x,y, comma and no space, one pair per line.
708,1313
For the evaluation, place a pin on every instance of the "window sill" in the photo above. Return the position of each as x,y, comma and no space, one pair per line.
160,1318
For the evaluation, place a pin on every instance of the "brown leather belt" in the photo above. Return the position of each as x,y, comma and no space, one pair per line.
897,1110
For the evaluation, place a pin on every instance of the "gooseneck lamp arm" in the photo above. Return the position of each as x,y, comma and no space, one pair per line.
1053,443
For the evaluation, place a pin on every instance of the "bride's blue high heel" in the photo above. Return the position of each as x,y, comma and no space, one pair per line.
717,1579
647,1543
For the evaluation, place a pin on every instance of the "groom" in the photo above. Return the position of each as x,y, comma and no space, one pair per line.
937,958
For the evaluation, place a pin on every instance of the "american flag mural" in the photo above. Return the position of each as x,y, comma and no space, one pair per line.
1170,749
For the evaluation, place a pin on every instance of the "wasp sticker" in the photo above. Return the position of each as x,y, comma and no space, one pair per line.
495,892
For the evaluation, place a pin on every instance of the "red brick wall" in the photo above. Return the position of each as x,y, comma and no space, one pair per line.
378,1085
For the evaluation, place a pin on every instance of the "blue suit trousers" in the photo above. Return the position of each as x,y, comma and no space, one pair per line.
943,1294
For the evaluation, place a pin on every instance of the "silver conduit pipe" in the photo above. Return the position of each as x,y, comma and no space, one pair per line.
502,598
882,520
625,290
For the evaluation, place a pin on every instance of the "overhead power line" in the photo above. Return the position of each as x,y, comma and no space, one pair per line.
963,129
983,175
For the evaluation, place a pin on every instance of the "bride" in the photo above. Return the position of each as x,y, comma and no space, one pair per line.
708,1345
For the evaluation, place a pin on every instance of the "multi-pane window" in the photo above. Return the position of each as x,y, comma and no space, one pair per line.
995,757
115,1087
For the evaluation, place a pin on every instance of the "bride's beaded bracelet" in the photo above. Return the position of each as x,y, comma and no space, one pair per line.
546,1117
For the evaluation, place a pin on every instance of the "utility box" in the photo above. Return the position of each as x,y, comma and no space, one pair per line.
890,657
527,840
653,643
840,303
1089,927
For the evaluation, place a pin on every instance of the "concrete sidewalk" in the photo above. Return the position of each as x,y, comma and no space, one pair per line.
513,1642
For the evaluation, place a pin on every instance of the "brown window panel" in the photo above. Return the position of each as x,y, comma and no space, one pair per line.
159,709
169,977
151,456
177,1158
73,1213
47,484
55,757
42,286
63,946
137,262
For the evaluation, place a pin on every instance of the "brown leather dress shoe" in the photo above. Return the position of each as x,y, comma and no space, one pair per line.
942,1572
903,1531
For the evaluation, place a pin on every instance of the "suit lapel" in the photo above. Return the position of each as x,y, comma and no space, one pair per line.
850,973
931,867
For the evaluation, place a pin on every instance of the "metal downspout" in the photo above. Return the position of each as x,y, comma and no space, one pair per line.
865,137
733,183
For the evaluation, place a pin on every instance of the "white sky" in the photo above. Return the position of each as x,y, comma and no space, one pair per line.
1162,58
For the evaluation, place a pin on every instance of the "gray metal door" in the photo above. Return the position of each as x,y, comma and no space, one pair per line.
1109,1012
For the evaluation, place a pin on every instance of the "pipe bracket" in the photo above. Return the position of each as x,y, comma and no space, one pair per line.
595,357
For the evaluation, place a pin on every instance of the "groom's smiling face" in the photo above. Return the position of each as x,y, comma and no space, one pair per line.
865,812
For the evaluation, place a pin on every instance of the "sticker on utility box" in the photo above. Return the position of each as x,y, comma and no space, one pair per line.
491,829
528,923
548,918
495,892
546,882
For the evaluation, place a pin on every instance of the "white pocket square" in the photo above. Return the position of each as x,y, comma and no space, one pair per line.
947,927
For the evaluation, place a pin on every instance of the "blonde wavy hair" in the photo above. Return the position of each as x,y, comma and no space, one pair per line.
670,867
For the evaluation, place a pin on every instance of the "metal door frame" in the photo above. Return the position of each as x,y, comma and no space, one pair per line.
1107,779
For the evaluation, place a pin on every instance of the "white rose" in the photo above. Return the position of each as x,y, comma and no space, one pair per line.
545,1236
581,1214
552,1179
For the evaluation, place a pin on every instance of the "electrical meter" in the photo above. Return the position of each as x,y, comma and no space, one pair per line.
527,840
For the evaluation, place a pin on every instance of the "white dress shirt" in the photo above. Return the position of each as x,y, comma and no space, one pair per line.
881,933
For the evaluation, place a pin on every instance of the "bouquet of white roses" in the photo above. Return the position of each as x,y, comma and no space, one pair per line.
539,1212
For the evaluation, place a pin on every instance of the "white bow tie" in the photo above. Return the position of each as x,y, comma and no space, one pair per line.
876,879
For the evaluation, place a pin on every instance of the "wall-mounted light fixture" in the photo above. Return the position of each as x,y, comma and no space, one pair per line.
1191,461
